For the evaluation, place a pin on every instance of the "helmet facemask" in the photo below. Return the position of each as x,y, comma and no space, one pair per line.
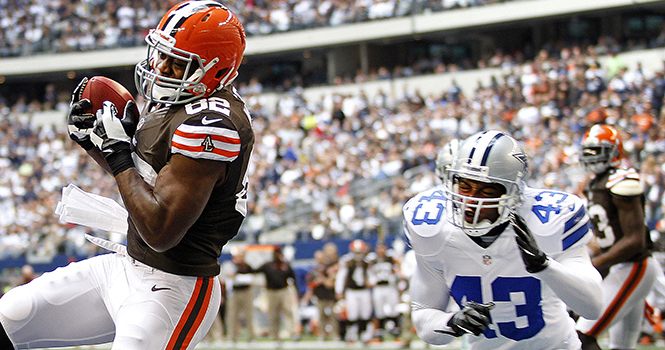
597,159
171,90
508,201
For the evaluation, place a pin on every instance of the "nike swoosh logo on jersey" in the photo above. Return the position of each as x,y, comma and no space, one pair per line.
154,288
206,121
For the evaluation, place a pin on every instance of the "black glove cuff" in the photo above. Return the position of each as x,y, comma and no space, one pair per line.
457,332
86,144
533,268
120,160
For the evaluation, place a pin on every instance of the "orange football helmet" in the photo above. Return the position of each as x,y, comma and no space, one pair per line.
358,246
203,33
602,148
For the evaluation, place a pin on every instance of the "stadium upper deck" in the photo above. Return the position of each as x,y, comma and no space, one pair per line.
436,31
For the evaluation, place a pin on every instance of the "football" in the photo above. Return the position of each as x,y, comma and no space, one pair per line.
100,89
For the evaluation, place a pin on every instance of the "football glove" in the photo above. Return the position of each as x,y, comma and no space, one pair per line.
473,318
534,258
80,123
112,136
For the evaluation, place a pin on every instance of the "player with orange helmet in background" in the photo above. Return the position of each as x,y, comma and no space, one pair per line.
384,273
622,246
182,175
602,149
352,284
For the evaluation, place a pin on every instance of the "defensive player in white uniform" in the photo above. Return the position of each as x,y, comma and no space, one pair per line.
513,258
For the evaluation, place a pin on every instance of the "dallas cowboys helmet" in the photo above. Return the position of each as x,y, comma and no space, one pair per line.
491,157
445,157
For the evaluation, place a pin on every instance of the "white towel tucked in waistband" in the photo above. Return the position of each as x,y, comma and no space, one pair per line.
92,210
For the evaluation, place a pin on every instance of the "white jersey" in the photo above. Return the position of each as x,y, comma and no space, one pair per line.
528,314
382,269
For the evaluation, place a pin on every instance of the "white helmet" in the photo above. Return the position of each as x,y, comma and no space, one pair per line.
491,157
445,158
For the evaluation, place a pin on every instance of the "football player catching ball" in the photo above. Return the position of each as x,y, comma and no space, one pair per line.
182,175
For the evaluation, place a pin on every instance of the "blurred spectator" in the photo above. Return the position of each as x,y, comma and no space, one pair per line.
279,276
27,274
239,277
321,291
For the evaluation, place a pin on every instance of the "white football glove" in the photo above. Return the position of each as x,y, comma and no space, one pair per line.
112,135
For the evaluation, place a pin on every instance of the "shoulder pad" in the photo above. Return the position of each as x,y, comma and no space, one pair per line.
424,221
625,182
558,220
345,258
207,137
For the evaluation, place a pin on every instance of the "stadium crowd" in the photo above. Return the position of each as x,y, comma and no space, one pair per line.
41,26
316,158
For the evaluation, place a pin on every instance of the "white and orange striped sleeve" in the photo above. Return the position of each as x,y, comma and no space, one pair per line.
211,138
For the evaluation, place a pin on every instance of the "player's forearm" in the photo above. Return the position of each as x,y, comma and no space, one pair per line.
148,213
577,284
633,240
429,324
429,296
340,280
97,155
623,250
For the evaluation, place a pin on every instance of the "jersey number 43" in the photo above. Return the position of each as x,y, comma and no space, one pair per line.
470,288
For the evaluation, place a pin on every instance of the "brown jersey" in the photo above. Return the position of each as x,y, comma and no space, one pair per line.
604,214
215,128
357,276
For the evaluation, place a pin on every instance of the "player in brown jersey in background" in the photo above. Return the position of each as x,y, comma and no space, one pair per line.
384,273
182,175
352,284
622,246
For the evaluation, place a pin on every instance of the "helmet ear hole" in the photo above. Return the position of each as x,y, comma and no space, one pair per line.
221,72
